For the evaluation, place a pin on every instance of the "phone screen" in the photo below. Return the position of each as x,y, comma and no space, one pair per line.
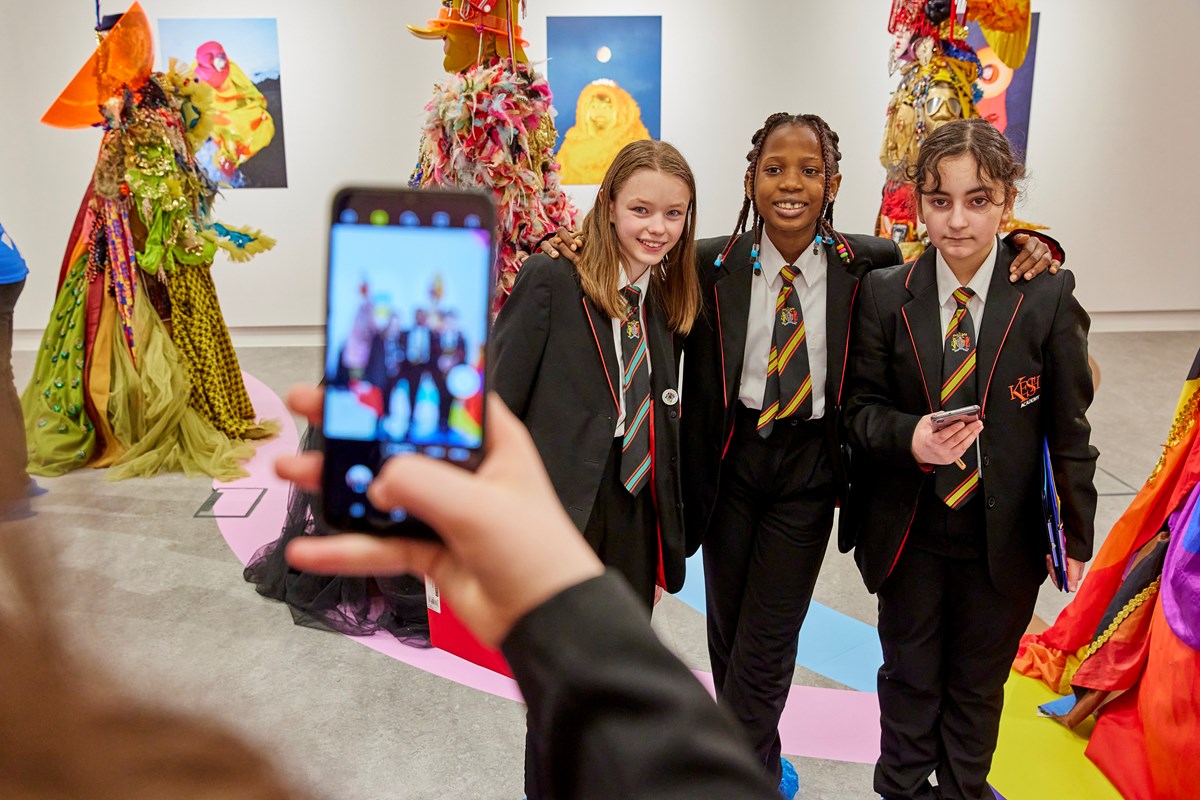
410,286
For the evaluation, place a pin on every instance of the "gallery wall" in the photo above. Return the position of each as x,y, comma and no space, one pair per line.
1111,136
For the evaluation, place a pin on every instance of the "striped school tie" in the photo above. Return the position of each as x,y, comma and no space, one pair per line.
789,382
635,383
956,486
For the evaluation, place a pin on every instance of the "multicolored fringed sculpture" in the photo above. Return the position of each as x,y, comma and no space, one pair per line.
151,382
490,126
938,74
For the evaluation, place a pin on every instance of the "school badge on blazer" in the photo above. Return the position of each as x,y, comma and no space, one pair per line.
670,397
1026,391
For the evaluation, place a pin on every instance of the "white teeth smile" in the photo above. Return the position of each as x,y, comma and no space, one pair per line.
790,206
651,245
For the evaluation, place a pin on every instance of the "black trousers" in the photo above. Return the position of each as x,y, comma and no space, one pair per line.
14,454
412,374
762,552
949,638
623,530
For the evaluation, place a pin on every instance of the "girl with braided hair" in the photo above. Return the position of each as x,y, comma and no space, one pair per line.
764,465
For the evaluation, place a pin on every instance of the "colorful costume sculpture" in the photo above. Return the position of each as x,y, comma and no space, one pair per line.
1128,645
490,126
487,127
136,370
938,74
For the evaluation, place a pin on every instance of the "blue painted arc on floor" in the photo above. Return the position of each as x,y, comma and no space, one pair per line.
832,644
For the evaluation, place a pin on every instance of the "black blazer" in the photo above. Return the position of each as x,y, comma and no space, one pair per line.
553,361
1034,381
619,715
716,347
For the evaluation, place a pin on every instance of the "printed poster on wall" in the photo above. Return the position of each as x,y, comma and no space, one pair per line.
239,58
1007,93
606,75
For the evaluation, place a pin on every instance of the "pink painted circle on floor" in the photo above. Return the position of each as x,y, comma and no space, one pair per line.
831,724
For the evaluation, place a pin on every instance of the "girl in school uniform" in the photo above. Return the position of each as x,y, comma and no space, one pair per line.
764,389
949,524
587,356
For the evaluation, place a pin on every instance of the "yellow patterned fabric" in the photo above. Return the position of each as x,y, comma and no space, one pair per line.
198,330
151,413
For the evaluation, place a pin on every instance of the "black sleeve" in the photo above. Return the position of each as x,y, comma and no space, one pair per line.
1070,392
620,715
519,335
875,425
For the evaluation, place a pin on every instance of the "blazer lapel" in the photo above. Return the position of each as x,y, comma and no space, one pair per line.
841,289
662,350
601,326
923,320
732,291
1003,300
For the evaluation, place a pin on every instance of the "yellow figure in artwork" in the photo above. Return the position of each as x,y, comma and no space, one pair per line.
606,119
241,124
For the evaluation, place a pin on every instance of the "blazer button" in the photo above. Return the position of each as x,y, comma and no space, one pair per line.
674,415
991,502
673,459
987,461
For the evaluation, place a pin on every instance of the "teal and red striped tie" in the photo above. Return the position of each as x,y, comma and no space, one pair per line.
636,458
953,485
789,381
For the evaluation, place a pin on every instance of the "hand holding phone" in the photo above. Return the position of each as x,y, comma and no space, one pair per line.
411,278
935,443
941,420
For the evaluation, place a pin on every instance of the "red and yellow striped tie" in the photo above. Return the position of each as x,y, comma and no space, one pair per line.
956,486
788,391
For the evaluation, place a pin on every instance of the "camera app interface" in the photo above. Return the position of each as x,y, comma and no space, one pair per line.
408,304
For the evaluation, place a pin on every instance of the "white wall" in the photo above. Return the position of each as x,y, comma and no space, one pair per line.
1111,146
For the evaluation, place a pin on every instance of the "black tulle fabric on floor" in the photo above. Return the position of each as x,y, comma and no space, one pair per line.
353,606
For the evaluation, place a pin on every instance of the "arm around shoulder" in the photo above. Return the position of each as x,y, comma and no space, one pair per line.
520,333
1069,386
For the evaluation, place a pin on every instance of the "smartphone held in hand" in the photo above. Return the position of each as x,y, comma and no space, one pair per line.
409,293
941,420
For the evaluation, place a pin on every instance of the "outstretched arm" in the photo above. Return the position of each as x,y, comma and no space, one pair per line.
622,716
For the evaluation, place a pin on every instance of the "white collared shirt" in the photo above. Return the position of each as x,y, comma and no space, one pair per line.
642,283
947,283
810,286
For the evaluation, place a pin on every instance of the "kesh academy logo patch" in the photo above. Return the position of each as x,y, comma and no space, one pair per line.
960,343
633,329
789,316
1026,390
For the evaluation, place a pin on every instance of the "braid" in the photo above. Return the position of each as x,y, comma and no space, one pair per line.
831,157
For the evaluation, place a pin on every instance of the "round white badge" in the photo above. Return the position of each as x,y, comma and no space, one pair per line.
670,397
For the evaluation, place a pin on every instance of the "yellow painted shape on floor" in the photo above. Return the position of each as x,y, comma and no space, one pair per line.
1037,758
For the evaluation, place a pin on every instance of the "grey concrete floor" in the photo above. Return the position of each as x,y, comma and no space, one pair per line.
159,598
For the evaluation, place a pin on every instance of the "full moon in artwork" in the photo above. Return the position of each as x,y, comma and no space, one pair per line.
604,55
